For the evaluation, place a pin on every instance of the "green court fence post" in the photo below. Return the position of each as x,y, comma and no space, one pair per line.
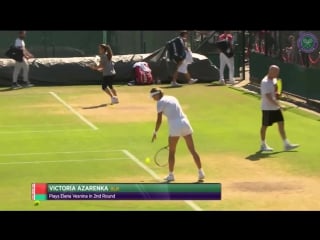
104,36
243,55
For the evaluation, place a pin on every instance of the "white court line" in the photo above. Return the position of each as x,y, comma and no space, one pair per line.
42,131
90,124
49,153
155,176
63,161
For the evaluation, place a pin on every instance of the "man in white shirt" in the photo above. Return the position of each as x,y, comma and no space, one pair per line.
271,110
179,126
23,64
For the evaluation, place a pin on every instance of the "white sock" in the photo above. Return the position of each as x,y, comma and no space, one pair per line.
263,142
286,142
171,173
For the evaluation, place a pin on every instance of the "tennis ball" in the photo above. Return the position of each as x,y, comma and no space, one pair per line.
147,160
36,203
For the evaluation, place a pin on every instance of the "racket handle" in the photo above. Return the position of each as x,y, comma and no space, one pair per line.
279,86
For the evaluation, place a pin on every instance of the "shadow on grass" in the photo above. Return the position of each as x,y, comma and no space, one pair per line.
196,182
215,84
199,181
261,155
9,89
169,86
97,106
166,182
251,93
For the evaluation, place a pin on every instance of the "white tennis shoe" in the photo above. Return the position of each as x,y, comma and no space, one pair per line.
193,80
222,82
265,147
201,176
114,100
169,178
175,84
288,147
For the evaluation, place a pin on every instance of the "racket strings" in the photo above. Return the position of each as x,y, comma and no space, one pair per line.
161,157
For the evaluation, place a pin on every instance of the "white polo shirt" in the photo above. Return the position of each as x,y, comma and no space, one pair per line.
266,87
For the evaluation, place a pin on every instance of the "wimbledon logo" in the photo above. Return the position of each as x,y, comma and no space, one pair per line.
307,42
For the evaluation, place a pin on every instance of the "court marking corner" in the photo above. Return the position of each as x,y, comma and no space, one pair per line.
71,109
192,204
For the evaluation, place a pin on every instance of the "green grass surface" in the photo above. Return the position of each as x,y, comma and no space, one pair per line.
43,141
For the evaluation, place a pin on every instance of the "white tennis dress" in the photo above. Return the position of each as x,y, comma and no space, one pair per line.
179,125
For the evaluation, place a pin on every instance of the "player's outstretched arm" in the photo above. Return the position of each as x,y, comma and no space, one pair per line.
158,124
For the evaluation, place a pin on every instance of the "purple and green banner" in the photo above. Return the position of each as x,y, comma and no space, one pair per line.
126,191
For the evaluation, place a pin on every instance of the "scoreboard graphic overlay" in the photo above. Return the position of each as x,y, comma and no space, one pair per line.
125,191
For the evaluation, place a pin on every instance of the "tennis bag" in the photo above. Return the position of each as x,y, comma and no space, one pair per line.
176,50
15,53
143,75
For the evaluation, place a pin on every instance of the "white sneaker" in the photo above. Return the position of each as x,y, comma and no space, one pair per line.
175,84
222,82
201,176
265,147
169,178
114,100
193,80
16,86
29,85
132,83
288,147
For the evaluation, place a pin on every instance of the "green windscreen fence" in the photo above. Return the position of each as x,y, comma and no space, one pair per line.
297,79
51,44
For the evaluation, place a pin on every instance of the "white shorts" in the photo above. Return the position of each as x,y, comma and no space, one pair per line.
183,68
180,128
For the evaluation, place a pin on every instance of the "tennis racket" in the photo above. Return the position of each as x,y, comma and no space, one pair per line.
94,63
161,156
278,90
279,93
